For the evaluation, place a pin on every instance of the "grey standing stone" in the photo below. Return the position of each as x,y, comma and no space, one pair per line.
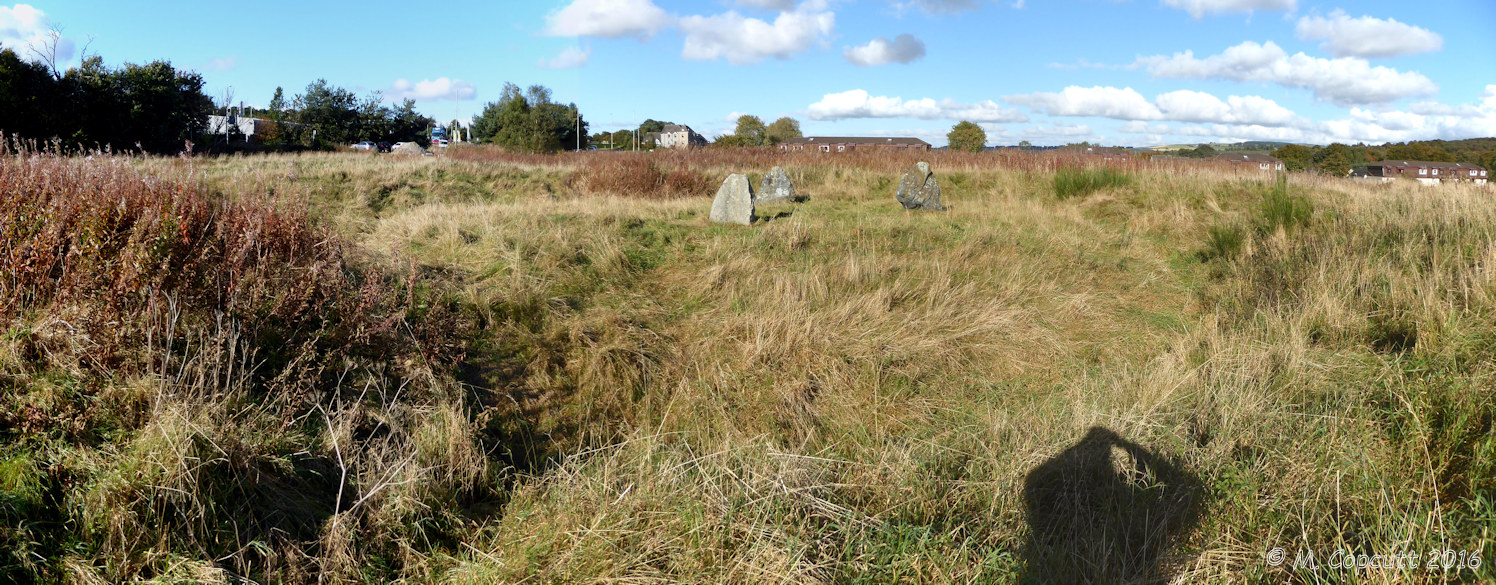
776,186
734,202
919,189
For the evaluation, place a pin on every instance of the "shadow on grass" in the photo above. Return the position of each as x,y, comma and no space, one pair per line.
1107,511
780,215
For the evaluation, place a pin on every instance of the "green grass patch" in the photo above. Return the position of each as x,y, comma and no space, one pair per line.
1070,182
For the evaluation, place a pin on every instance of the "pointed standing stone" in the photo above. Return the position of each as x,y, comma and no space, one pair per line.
776,186
919,189
734,202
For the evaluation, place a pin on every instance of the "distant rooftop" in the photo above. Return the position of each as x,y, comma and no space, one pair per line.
859,140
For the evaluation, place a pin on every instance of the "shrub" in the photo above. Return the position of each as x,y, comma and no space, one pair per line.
1280,209
1073,182
1223,242
193,373
642,176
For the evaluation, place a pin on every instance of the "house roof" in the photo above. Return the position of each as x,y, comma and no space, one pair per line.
859,140
676,128
1426,164
1242,157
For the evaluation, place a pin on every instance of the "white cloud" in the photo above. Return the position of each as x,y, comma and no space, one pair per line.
568,58
1065,132
1425,121
1195,106
938,6
440,88
23,27
742,40
858,104
780,5
1367,37
1199,8
608,18
1344,81
904,48
1105,102
1178,106
223,63
1139,127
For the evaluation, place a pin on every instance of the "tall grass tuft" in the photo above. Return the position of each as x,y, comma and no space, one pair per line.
1077,182
1280,209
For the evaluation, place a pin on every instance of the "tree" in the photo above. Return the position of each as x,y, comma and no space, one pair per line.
751,131
783,129
1418,151
1295,157
1333,149
1025,145
652,125
623,139
967,136
333,112
1335,164
530,122
277,105
1202,151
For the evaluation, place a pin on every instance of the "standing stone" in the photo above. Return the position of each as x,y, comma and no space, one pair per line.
734,202
919,189
776,186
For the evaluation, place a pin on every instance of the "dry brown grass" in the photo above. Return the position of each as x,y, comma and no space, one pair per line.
849,392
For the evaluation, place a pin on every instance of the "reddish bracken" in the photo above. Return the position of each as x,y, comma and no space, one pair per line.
108,246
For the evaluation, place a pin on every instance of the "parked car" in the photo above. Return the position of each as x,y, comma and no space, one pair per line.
365,145
442,142
396,146
384,146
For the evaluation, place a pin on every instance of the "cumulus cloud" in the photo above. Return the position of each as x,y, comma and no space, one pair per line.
1344,81
1367,37
905,48
1179,106
780,5
568,58
858,104
1105,102
1139,127
742,40
1064,132
1199,8
23,27
1423,121
937,6
608,18
440,88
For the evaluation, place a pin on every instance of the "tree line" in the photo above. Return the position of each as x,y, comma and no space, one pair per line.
530,121
153,107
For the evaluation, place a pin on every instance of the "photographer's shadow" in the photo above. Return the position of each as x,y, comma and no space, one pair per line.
1107,511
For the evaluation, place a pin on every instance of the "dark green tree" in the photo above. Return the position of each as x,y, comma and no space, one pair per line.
528,121
29,98
966,136
652,125
1202,151
1295,157
783,129
332,112
751,131
1335,164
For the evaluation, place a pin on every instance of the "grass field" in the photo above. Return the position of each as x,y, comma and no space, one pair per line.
493,368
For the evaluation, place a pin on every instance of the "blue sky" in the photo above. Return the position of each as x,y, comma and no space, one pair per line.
1128,72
